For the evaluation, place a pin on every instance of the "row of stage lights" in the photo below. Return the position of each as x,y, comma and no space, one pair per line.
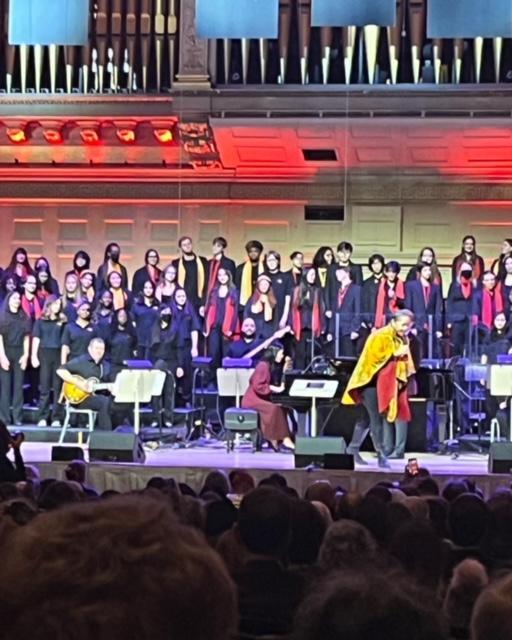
164,133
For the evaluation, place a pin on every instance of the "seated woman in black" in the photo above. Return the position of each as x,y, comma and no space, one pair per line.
46,355
164,355
89,365
122,343
498,342
187,329
14,355
77,335
10,472
145,313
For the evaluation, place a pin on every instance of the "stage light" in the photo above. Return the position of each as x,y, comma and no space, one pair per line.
90,136
16,135
164,136
52,136
126,135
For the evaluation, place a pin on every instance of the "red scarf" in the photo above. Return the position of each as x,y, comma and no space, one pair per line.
230,321
466,287
297,315
37,307
389,390
385,304
154,274
215,266
492,304
341,295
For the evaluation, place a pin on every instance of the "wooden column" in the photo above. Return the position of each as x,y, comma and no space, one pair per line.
193,51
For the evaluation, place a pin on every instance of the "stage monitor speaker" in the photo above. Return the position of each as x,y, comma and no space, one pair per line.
67,454
108,446
313,450
500,457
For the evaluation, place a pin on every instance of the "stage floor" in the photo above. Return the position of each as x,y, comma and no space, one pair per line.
192,464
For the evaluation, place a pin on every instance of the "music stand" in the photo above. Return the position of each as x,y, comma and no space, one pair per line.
500,384
134,386
233,382
303,388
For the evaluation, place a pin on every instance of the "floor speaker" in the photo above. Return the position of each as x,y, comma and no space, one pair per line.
500,457
67,454
108,446
313,450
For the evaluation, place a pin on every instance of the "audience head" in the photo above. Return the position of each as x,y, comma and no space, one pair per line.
468,518
492,612
453,489
264,522
241,481
468,581
76,471
307,532
101,559
58,494
218,482
347,544
322,491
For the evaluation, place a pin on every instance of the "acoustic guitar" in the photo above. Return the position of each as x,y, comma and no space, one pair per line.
75,395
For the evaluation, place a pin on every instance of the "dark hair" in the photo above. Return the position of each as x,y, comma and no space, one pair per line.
269,355
9,275
468,519
108,249
295,254
12,264
147,254
307,532
220,240
264,521
374,257
393,265
345,246
182,239
253,244
86,257
420,266
318,258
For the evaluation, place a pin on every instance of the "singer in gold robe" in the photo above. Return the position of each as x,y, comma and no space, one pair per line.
379,382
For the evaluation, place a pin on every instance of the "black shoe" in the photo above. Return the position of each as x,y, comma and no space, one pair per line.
272,446
383,462
284,449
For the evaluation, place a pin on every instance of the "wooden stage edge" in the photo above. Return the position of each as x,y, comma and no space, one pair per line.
191,465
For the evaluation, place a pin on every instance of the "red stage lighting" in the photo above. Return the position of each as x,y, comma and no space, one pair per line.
16,135
164,136
89,136
126,135
52,136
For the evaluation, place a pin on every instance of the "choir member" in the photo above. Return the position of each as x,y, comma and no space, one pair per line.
307,317
81,262
87,282
498,266
346,306
187,330
71,296
121,298
247,342
370,291
459,307
192,274
46,283
111,262
390,296
14,355
295,273
219,261
122,342
262,307
344,252
322,261
282,287
145,311
10,282
506,281
424,298
221,318
19,264
426,256
468,255
380,382
167,285
163,352
46,355
30,303
248,272
272,416
150,271
103,317
497,342
487,302
78,334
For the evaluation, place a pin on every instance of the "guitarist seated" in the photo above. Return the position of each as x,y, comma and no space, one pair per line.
80,370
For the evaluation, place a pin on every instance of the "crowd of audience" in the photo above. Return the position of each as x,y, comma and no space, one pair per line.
234,560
